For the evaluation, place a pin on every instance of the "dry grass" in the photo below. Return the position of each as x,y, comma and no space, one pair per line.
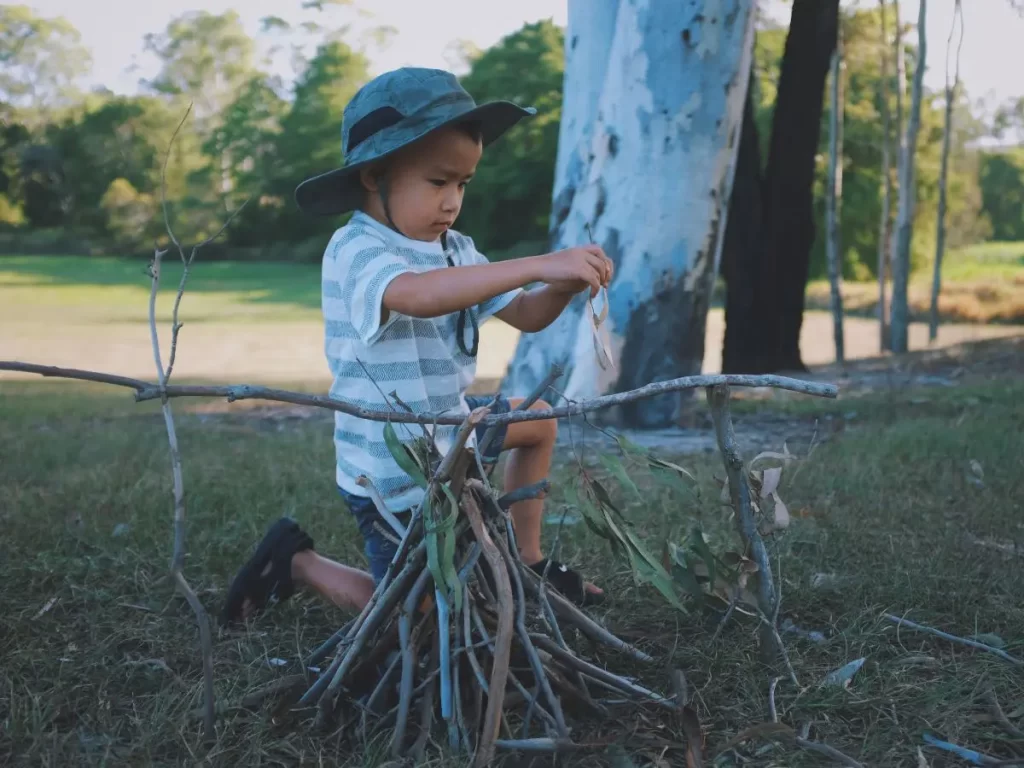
973,301
107,672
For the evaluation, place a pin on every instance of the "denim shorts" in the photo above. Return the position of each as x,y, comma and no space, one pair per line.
379,541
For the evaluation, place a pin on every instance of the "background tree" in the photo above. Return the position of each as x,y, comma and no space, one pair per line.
205,58
41,60
645,159
510,201
766,280
885,219
940,234
1002,190
905,218
834,194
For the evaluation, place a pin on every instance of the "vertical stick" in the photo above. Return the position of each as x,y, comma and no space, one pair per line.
502,639
178,556
739,490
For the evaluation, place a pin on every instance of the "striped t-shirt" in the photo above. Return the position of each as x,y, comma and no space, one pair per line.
419,359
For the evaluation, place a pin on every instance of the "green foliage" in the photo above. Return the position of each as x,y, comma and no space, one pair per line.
1002,191
509,200
205,57
862,150
130,215
40,59
251,139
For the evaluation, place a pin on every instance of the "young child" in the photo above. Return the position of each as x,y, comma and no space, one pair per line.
403,296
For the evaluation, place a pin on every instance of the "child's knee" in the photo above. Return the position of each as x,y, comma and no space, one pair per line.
548,428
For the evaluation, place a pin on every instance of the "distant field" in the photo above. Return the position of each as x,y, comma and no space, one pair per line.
261,322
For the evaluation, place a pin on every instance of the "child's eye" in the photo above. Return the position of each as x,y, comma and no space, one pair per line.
438,182
462,184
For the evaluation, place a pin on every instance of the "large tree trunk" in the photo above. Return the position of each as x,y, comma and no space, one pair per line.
940,225
885,220
779,261
647,146
905,218
834,198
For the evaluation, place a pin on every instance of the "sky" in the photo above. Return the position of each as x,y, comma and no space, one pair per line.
113,30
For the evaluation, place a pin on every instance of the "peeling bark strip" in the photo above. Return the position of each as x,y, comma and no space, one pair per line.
649,135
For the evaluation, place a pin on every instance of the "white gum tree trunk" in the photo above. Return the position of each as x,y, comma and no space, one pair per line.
651,118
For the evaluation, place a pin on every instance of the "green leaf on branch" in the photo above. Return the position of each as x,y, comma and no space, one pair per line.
615,467
403,456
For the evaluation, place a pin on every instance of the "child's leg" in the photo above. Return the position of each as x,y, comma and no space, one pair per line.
343,585
530,445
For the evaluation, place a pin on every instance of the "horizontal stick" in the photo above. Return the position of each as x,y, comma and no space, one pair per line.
534,491
537,745
568,611
145,390
953,638
566,657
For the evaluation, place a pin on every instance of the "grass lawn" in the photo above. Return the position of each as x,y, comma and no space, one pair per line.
99,658
261,322
980,284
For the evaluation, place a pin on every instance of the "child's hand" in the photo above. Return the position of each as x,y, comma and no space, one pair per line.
575,269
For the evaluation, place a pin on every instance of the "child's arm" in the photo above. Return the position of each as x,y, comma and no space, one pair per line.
535,310
444,291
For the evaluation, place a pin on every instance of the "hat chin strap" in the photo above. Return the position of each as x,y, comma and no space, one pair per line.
460,327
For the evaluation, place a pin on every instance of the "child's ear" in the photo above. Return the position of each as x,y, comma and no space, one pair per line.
369,177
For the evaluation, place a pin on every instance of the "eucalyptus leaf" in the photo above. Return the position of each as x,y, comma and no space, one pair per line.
401,456
613,465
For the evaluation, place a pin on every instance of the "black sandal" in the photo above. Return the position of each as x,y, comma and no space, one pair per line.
568,582
258,583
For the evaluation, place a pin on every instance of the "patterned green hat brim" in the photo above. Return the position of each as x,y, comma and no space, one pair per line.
340,191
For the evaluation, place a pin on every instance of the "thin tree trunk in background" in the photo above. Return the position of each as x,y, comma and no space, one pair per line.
834,196
741,251
885,223
905,218
788,229
940,226
646,159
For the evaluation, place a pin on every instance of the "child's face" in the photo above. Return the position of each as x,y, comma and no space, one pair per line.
424,184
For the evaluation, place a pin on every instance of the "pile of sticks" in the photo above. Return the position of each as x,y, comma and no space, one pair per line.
426,645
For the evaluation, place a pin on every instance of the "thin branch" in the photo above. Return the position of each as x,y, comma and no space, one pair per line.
603,675
233,392
178,556
739,491
163,183
953,638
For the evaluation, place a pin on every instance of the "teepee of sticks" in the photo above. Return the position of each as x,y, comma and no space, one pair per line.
449,629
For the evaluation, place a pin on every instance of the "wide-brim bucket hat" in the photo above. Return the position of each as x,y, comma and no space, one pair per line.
391,112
